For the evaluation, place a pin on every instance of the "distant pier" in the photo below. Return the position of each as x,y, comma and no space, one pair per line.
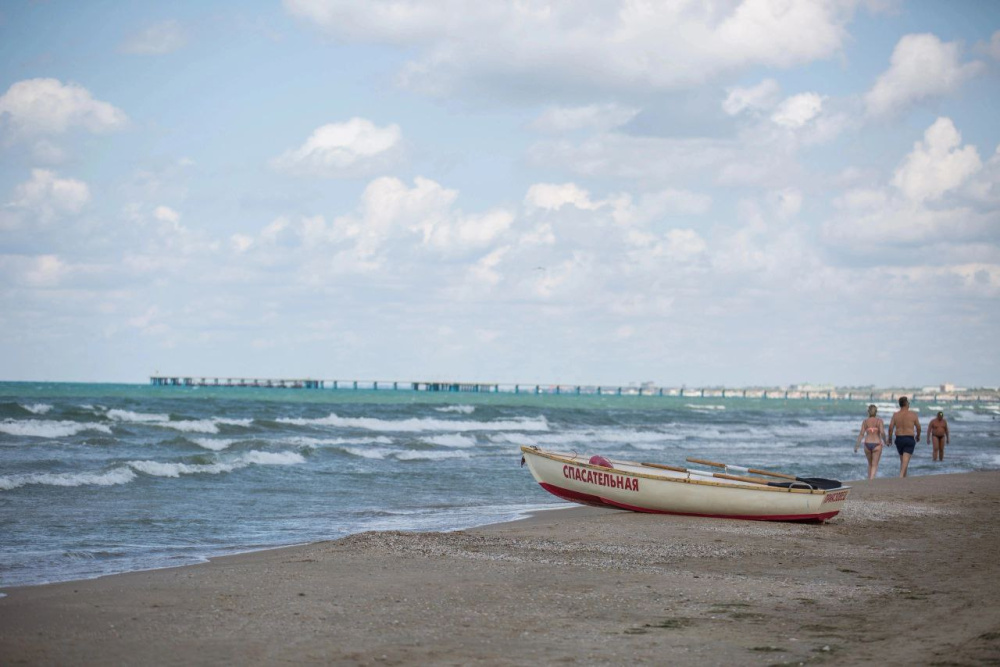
764,393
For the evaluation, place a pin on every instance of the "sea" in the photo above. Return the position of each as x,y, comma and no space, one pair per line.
98,479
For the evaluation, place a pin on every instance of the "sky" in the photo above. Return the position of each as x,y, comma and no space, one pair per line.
721,192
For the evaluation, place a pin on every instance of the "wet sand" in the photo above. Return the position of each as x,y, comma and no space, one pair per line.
907,574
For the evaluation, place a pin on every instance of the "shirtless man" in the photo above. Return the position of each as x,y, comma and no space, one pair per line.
937,436
906,424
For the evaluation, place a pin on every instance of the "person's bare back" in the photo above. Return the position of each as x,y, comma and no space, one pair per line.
906,425
905,422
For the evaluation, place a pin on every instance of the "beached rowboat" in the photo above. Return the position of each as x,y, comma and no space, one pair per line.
648,487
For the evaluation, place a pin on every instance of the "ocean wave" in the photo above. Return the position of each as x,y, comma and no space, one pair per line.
317,443
377,453
420,424
695,406
112,477
135,417
591,436
463,409
214,444
36,428
174,469
210,426
37,408
430,455
452,440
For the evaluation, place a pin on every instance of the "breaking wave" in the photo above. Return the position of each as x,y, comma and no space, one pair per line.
36,428
420,424
452,440
463,409
168,469
112,477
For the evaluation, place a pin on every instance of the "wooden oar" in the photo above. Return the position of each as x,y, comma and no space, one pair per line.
663,467
713,474
753,470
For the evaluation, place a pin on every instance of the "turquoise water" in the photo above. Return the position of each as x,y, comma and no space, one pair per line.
98,479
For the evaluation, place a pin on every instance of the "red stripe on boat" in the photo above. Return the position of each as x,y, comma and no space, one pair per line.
574,496
597,501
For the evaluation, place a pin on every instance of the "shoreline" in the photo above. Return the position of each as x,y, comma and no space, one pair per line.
905,574
203,560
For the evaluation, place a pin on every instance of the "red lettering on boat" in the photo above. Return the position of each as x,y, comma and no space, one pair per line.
835,497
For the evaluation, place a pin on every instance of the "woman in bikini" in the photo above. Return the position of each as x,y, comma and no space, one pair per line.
873,433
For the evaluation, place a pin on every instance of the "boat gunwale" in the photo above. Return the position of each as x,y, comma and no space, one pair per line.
527,449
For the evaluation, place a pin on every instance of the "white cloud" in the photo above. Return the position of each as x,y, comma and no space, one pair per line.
392,219
47,106
600,117
922,66
356,147
589,45
797,110
937,164
787,202
166,214
762,97
48,197
552,197
991,48
35,271
681,245
158,39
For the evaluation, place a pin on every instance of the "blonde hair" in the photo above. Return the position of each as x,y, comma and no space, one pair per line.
872,410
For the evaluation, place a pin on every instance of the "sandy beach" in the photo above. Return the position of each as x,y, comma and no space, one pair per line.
907,574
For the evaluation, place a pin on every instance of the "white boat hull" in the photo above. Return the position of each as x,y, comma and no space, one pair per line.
633,486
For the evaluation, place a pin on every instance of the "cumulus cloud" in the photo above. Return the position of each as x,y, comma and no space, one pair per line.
622,45
921,67
392,218
34,271
356,147
600,117
166,214
158,39
797,110
992,47
762,97
552,197
937,164
48,106
48,197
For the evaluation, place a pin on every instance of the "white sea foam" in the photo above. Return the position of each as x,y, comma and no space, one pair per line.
590,436
430,455
463,409
173,469
36,428
452,440
416,424
136,417
696,406
210,426
316,443
37,408
215,444
110,478
377,453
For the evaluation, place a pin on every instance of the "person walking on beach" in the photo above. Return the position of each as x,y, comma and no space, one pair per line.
906,424
873,433
937,436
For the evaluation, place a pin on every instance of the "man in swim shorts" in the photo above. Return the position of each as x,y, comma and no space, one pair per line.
937,436
906,424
